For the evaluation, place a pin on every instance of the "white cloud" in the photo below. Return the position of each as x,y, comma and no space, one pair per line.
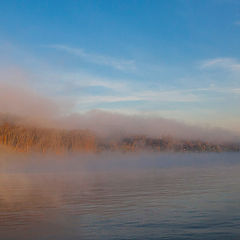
106,99
88,80
169,96
225,63
213,88
119,64
67,82
235,90
146,96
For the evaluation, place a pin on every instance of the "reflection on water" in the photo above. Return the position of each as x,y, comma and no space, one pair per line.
177,202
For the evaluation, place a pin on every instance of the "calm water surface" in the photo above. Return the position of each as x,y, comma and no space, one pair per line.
184,196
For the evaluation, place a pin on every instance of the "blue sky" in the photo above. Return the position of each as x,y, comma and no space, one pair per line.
177,59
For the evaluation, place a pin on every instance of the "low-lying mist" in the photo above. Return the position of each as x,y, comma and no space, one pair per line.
21,104
114,125
110,162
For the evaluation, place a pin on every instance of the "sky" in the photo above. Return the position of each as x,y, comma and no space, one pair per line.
177,59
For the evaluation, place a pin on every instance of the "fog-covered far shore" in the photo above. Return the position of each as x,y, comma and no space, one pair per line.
21,104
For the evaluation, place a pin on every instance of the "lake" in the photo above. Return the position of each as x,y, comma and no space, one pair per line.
121,196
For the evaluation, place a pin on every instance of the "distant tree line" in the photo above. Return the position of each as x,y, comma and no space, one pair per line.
167,144
34,139
177,145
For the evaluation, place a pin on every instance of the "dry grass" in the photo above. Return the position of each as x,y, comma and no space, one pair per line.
33,139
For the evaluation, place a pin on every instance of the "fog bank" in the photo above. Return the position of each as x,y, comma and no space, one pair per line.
21,104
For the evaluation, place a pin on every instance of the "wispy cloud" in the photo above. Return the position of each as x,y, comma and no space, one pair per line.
235,90
87,80
145,96
119,64
71,83
225,63
183,96
169,96
237,22
226,90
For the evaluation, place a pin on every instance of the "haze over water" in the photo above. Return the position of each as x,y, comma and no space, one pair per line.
102,77
121,196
